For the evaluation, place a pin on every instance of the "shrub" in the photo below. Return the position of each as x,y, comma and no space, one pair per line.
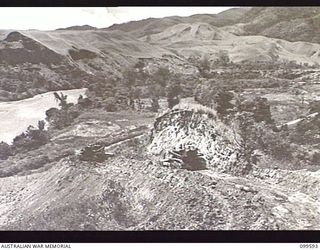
307,131
62,118
139,65
259,107
110,104
314,106
204,67
212,95
5,151
161,76
223,59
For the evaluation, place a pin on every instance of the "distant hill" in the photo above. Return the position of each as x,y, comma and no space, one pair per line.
292,24
77,27
202,39
155,25
110,50
289,23
177,37
77,55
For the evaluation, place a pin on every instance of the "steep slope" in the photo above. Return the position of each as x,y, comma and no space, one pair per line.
113,48
17,48
290,23
108,51
100,42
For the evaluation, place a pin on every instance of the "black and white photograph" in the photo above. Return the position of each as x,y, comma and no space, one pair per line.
159,118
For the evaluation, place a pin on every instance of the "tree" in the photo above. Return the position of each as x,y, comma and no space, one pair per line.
314,106
222,99
204,66
41,125
110,104
121,94
173,94
62,118
249,138
62,99
260,137
154,93
223,59
130,77
161,76
213,95
135,95
203,95
155,104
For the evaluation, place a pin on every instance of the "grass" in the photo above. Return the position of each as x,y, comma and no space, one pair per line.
197,108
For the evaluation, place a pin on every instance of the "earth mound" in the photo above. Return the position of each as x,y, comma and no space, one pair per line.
193,137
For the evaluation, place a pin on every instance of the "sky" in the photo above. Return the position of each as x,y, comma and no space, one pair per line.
52,18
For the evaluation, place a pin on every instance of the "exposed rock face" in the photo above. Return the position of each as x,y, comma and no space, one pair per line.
196,131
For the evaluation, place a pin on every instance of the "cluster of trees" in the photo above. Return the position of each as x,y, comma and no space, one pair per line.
215,95
136,83
31,139
204,65
110,94
63,117
260,137
251,119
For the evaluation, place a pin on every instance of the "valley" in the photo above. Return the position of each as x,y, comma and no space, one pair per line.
206,122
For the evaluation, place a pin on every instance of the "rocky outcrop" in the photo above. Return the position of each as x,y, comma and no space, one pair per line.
194,138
